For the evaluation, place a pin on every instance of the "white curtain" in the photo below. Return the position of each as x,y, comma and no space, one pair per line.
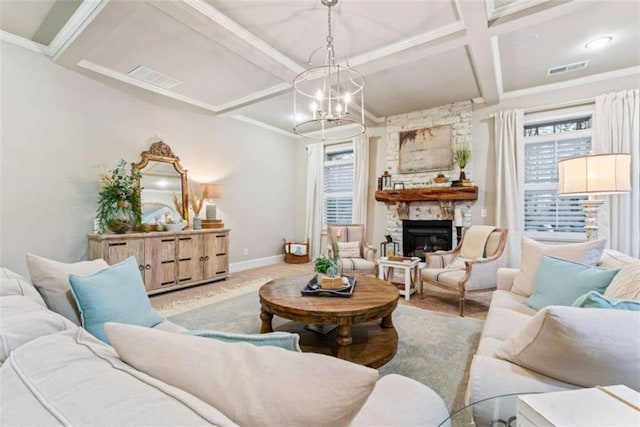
360,178
509,164
313,224
617,130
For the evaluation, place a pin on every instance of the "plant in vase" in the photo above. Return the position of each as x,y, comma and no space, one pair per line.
118,200
462,155
196,204
327,266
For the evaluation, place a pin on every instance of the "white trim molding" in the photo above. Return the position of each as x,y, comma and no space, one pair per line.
235,267
263,125
22,42
78,22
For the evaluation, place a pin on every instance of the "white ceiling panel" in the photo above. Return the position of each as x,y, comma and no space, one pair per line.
210,73
276,111
296,28
36,20
437,80
525,59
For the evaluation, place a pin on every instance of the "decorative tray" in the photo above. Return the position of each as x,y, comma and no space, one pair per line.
313,288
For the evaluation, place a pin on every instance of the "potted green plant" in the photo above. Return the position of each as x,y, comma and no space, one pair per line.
119,199
462,155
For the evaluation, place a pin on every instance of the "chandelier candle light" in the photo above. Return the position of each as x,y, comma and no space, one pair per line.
591,175
327,92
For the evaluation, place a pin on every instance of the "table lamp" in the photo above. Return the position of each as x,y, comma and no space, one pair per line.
213,191
591,175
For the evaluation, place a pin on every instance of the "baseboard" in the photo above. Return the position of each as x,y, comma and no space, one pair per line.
234,267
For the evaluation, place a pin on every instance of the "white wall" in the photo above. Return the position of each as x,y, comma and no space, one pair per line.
59,127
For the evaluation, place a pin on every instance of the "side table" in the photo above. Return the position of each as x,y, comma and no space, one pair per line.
409,266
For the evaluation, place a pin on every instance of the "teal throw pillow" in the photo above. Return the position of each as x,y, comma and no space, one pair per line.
560,282
114,294
284,340
594,299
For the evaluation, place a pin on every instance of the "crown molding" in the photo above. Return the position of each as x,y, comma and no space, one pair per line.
263,125
609,75
24,43
91,66
254,97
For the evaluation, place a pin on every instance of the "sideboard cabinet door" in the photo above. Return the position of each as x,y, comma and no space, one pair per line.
115,251
190,258
160,263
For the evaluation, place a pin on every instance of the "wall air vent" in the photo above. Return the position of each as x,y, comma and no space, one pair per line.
153,77
566,68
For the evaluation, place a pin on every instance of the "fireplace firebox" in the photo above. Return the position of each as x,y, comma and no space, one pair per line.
421,236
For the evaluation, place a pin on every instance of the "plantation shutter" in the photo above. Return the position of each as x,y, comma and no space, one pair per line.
338,190
544,210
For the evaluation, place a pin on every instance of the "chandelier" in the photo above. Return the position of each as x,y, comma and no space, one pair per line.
328,94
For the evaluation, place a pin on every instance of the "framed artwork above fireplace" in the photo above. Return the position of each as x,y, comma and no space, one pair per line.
426,150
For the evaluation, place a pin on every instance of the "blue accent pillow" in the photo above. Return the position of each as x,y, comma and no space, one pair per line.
560,282
114,294
284,340
594,299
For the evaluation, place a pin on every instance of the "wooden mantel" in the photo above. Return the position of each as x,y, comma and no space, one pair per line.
428,194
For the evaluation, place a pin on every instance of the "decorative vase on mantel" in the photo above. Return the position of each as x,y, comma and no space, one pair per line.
122,219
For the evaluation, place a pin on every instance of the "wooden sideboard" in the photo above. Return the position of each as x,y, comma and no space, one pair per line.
168,260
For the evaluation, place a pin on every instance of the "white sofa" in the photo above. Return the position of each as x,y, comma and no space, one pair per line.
54,372
491,376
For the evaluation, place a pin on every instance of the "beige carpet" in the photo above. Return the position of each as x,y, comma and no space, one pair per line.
175,302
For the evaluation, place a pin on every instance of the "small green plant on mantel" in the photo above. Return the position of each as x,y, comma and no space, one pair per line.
462,155
119,188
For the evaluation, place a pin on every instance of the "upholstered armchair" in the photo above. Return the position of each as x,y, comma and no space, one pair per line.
356,256
471,267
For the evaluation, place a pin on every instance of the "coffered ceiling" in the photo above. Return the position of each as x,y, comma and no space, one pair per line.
238,57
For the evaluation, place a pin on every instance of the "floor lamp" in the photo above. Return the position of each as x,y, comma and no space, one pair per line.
591,175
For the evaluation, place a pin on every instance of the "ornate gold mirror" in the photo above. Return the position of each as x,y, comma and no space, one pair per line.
164,185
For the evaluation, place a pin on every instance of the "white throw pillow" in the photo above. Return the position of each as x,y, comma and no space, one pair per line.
20,287
581,346
585,253
254,386
626,284
349,249
50,278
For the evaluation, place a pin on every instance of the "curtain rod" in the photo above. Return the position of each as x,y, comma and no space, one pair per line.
574,103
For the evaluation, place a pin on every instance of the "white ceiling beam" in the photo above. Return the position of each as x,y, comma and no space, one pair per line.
510,8
536,15
480,49
24,43
616,74
79,21
239,31
96,68
263,125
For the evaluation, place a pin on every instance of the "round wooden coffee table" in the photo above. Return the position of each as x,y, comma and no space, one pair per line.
359,337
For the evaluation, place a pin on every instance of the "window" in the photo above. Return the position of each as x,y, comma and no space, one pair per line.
338,184
547,140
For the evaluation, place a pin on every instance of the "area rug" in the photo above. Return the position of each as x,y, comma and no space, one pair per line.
434,348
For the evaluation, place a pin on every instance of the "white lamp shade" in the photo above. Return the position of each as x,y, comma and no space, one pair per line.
595,174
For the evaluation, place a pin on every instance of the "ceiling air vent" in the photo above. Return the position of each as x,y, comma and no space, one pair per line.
566,68
153,77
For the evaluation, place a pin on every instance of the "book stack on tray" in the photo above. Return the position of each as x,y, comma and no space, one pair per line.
212,223
314,288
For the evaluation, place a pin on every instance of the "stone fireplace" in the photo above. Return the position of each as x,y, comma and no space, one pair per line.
420,237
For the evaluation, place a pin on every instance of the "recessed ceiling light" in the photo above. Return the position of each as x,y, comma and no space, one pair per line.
599,42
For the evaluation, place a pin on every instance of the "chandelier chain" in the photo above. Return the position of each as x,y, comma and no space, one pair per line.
329,36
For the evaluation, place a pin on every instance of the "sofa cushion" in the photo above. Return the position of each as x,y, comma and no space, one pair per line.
23,320
582,346
561,282
501,323
413,404
6,273
349,249
448,277
114,294
254,386
594,299
511,301
22,287
614,259
50,278
357,265
626,284
71,378
284,340
587,253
